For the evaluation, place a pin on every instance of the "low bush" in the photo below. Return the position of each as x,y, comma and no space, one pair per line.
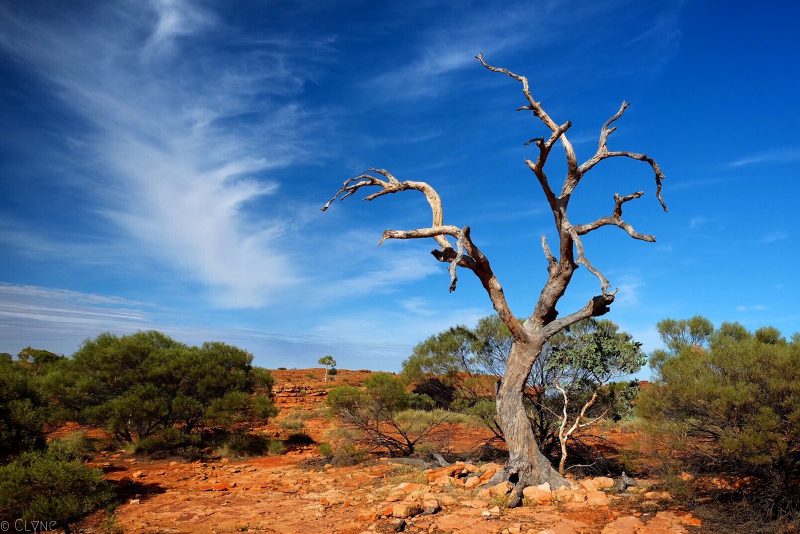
74,446
243,445
39,486
276,447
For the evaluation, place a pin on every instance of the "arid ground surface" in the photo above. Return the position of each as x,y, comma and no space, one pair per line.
297,492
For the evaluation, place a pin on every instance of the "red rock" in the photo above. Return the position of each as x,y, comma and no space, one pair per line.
448,471
597,498
406,509
536,495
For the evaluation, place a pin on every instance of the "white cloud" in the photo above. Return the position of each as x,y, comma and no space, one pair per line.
173,167
697,222
773,237
750,308
777,155
629,288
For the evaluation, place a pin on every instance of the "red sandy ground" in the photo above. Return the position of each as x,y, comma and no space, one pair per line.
287,494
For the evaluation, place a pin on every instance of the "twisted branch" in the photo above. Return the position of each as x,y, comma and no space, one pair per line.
604,284
603,153
389,186
615,219
465,254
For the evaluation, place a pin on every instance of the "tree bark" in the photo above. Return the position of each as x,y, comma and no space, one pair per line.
526,466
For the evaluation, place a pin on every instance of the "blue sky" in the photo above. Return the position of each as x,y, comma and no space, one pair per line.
162,165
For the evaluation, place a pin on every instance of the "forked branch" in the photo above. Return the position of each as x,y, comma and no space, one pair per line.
615,219
603,153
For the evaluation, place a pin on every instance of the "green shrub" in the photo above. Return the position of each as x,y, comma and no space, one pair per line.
40,486
74,446
22,410
170,442
325,450
738,400
380,416
243,445
142,384
276,447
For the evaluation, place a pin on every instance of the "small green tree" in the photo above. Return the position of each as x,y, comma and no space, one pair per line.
738,401
147,383
379,413
329,363
568,385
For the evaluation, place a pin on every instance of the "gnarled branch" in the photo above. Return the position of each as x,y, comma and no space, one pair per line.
603,153
615,219
465,254
538,111
393,185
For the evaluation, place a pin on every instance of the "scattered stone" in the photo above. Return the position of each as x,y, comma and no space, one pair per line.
409,487
597,483
406,509
447,500
516,528
135,501
498,490
138,474
472,482
399,525
597,498
658,496
623,525
430,506
128,460
536,495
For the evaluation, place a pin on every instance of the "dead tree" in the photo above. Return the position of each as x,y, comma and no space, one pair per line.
526,464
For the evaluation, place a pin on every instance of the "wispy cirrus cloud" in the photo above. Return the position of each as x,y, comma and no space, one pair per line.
742,308
181,145
776,155
773,237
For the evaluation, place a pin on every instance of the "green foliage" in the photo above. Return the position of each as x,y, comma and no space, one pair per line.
739,400
325,450
74,446
387,392
582,360
421,401
142,384
23,411
678,334
42,486
276,447
327,361
244,445
442,355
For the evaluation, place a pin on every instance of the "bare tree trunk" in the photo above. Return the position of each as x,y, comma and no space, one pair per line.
526,465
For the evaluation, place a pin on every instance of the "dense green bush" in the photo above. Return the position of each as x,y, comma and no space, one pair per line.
39,486
143,384
736,396
23,411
